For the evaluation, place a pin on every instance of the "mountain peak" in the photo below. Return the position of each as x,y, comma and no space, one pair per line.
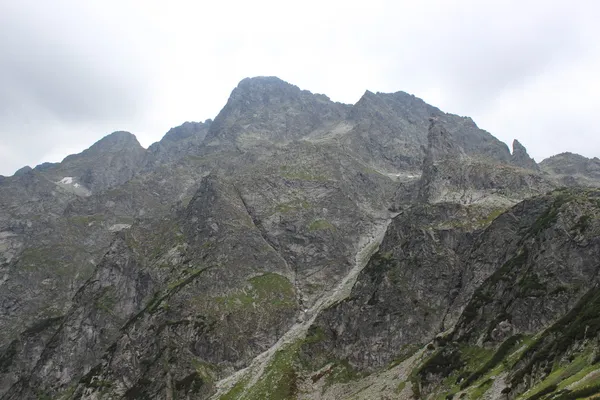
186,130
117,140
268,108
521,158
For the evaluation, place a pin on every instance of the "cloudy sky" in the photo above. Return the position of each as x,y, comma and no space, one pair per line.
72,71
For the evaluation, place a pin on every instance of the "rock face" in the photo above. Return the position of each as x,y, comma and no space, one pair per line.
178,143
267,109
572,169
520,158
245,258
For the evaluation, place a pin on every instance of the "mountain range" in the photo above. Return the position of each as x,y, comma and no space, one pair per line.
299,248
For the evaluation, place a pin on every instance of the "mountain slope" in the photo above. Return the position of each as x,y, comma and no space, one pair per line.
237,259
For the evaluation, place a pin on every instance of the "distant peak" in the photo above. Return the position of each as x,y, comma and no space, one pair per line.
23,170
440,143
117,140
521,158
186,130
518,147
263,80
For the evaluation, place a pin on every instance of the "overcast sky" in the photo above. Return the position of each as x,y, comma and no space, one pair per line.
72,71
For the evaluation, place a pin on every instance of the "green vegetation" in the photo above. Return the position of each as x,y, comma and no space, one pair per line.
495,213
302,174
292,206
497,358
406,352
320,225
33,257
579,375
315,334
67,394
442,363
583,321
561,375
549,216
400,387
236,392
278,382
582,393
530,285
160,296
107,300
479,391
380,264
267,290
341,372
483,295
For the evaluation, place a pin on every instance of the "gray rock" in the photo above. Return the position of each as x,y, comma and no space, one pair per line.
520,158
162,273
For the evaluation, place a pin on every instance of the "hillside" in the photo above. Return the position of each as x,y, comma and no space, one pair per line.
299,248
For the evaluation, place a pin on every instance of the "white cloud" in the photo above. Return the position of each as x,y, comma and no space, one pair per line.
76,71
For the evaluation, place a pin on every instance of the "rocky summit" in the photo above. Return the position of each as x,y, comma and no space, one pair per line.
299,248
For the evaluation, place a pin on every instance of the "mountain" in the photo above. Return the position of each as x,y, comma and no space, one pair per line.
298,248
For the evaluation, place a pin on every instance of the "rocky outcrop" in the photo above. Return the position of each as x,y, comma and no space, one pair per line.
178,143
450,174
267,109
573,169
391,130
520,158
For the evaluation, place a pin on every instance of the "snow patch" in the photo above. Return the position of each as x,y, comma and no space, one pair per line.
119,227
67,180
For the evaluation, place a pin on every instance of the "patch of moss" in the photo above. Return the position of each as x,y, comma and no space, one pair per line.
579,375
279,380
499,356
379,265
315,334
204,370
400,387
236,392
583,393
480,390
581,322
292,206
302,174
107,300
160,296
530,285
67,394
341,372
442,363
490,217
549,216
32,258
267,290
405,353
320,225
547,390
559,374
